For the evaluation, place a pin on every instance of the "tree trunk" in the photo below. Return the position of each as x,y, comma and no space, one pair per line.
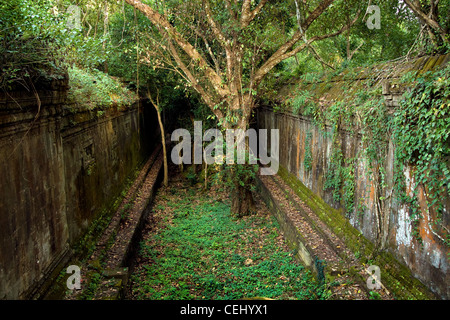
431,19
242,203
163,138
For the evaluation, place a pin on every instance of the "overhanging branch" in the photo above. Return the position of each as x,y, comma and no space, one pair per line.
283,53
162,23
248,15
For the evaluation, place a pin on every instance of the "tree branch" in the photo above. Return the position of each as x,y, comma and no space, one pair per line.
275,58
316,13
163,24
194,82
319,58
208,47
217,32
310,47
427,19
282,53
247,15
219,35
228,6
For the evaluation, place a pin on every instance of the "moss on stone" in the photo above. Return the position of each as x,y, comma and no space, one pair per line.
396,277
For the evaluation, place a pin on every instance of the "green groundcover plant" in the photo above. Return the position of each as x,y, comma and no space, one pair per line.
207,253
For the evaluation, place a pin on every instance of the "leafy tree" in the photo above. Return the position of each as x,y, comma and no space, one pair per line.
360,45
225,49
434,14
395,37
30,37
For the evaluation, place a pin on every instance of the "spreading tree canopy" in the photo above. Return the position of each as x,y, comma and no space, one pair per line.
225,49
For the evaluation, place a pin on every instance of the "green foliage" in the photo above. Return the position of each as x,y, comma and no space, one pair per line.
348,187
85,52
307,162
374,295
94,281
205,253
398,33
91,45
337,173
429,40
375,127
127,42
36,42
302,100
340,178
191,176
241,174
237,176
421,129
399,29
29,39
95,89
333,176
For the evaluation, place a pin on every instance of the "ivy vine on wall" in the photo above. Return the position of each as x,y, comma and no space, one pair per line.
307,162
421,132
419,129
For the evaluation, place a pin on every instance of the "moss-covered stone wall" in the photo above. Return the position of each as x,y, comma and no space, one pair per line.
62,167
301,137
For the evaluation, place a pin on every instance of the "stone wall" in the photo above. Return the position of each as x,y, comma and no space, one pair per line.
428,261
62,166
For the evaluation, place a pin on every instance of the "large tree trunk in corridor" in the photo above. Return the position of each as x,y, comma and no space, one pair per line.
242,203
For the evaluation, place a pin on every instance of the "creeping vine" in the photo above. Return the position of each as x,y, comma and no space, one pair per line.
418,131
